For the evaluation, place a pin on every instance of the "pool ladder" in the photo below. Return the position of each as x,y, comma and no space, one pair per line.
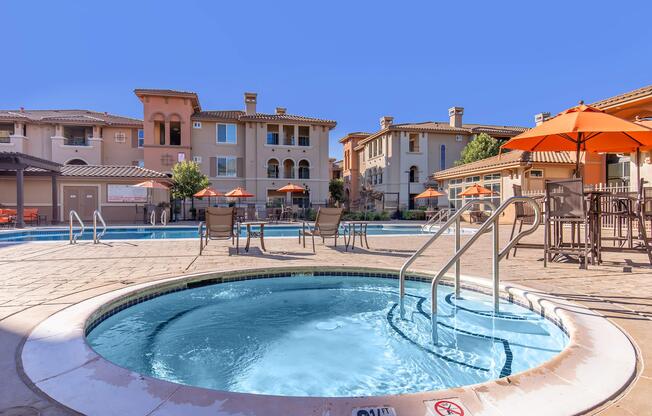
96,237
437,219
74,236
491,224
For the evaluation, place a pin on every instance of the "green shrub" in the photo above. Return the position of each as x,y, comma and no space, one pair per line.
414,214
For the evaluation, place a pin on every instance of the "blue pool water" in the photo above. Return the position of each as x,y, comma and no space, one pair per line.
323,336
165,232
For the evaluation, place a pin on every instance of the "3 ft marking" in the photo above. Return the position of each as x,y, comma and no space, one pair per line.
373,411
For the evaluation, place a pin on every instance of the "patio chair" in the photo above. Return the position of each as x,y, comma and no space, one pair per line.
521,216
220,225
251,212
565,205
644,208
327,224
240,214
30,215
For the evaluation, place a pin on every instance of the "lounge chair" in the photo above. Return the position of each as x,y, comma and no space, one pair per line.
220,225
327,224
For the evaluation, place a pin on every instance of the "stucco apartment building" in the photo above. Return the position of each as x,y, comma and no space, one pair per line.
258,151
397,160
529,170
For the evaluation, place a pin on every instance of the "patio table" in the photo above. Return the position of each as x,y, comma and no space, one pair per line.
260,233
353,229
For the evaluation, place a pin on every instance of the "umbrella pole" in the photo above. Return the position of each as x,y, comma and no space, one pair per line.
638,170
577,162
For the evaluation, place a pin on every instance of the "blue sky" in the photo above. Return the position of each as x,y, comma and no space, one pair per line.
351,61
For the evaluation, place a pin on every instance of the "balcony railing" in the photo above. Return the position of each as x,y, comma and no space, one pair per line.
76,141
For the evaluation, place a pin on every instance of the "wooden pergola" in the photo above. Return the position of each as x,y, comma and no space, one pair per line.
20,164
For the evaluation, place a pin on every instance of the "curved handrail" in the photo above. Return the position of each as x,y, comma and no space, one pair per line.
434,219
74,237
498,255
152,217
96,237
164,217
454,218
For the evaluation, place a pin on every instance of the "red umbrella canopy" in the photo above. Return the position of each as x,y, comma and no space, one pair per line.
208,192
476,190
151,185
239,192
292,188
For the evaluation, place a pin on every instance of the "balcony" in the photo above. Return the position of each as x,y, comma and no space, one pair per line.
77,144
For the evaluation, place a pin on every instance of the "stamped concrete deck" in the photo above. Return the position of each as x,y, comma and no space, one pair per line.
39,279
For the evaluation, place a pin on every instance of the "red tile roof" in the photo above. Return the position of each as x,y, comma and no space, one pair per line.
111,171
638,93
86,117
238,115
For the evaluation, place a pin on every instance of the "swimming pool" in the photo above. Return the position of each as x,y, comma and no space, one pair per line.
173,232
323,334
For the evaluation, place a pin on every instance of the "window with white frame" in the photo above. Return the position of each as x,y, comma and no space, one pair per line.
536,173
304,136
272,134
227,166
454,189
493,183
141,138
413,143
226,133
472,179
196,124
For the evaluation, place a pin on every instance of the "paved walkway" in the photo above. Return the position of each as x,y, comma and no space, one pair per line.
38,279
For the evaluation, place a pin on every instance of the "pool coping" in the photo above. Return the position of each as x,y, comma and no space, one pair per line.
598,363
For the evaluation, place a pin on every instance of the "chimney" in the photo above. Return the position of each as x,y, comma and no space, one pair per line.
281,111
455,115
540,118
22,109
250,102
386,121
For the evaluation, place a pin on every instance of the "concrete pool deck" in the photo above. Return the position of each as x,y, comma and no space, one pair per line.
39,279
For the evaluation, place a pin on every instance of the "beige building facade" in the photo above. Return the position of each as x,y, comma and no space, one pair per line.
397,160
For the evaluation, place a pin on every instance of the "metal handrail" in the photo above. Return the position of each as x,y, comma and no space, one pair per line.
96,237
152,217
498,254
74,237
164,217
436,219
455,218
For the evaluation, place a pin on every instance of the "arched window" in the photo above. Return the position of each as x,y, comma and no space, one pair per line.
414,174
442,157
304,169
272,168
288,168
76,162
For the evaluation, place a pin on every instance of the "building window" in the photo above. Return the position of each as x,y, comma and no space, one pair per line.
370,150
414,174
536,173
226,133
288,135
227,166
196,124
288,169
304,136
442,157
413,143
304,169
120,137
454,189
380,176
272,134
175,133
161,133
141,138
272,168
492,182
141,163
472,179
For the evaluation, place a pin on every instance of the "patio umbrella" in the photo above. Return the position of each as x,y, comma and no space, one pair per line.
151,184
583,129
208,192
429,193
238,192
291,188
476,190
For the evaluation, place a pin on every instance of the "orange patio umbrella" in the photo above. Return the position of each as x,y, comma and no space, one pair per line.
150,184
291,188
208,192
476,190
238,192
429,193
583,129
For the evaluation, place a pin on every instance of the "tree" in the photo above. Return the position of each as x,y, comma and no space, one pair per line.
482,147
336,189
188,180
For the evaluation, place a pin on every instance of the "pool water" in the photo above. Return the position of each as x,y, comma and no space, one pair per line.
173,232
324,336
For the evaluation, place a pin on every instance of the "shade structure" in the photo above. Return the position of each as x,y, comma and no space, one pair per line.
429,193
238,192
291,188
476,190
583,129
208,192
150,184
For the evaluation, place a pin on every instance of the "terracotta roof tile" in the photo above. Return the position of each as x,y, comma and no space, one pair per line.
220,114
621,98
286,117
512,158
110,171
69,116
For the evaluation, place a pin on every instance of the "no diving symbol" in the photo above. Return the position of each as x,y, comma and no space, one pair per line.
447,408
